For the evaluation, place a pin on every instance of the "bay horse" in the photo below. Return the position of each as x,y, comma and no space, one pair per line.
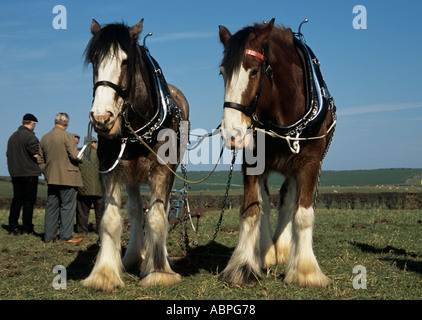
131,101
273,85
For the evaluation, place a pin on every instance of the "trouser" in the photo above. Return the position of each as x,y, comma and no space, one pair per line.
24,196
61,205
82,212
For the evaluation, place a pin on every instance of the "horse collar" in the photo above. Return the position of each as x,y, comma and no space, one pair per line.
165,106
318,99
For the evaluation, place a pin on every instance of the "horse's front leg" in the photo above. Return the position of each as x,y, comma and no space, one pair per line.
106,274
133,255
155,268
285,208
244,267
302,267
267,248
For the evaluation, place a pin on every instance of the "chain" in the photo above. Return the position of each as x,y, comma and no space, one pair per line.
334,117
184,231
185,213
226,195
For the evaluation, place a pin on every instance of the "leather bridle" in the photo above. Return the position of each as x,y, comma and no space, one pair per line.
250,108
123,93
165,104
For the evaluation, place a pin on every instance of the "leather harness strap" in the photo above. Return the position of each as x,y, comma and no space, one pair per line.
250,109
122,93
255,54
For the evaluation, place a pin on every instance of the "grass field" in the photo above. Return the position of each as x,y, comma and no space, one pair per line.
387,243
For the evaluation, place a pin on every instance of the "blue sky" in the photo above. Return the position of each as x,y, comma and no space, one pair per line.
373,74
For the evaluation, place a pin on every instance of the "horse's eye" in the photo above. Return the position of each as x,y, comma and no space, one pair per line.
254,73
125,62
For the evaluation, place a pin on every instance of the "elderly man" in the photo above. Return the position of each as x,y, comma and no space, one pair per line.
58,160
22,153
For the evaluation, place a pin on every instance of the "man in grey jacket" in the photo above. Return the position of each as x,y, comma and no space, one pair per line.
22,153
58,160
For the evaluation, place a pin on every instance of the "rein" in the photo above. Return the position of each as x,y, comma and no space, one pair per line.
165,164
88,142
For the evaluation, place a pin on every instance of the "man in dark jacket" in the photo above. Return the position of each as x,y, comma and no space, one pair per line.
22,153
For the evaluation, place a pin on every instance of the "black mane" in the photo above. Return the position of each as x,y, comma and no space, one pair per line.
235,50
111,37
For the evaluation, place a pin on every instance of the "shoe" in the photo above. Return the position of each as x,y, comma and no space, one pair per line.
15,232
73,240
52,241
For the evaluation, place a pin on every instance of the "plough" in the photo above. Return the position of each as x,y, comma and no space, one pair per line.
180,211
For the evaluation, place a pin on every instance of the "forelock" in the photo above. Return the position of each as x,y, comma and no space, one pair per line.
108,41
235,50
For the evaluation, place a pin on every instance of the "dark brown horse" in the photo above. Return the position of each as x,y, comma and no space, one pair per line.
273,85
132,102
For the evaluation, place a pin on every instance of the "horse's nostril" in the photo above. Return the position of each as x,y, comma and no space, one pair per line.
236,134
103,119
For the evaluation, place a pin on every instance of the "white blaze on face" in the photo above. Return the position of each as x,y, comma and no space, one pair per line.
108,70
234,123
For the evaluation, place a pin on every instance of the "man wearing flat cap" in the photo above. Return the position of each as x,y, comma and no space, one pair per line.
22,153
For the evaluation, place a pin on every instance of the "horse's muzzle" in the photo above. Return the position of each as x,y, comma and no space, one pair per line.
235,138
104,124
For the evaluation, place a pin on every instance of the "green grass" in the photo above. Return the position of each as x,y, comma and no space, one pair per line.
387,243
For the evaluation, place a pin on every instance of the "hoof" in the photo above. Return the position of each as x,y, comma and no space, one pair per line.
160,278
270,258
105,279
307,278
243,276
283,254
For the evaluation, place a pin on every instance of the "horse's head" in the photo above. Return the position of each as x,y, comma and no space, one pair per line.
243,68
111,51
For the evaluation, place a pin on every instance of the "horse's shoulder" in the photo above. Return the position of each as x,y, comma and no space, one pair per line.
180,99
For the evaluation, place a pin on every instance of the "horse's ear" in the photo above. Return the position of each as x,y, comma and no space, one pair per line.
136,30
266,30
225,35
95,27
